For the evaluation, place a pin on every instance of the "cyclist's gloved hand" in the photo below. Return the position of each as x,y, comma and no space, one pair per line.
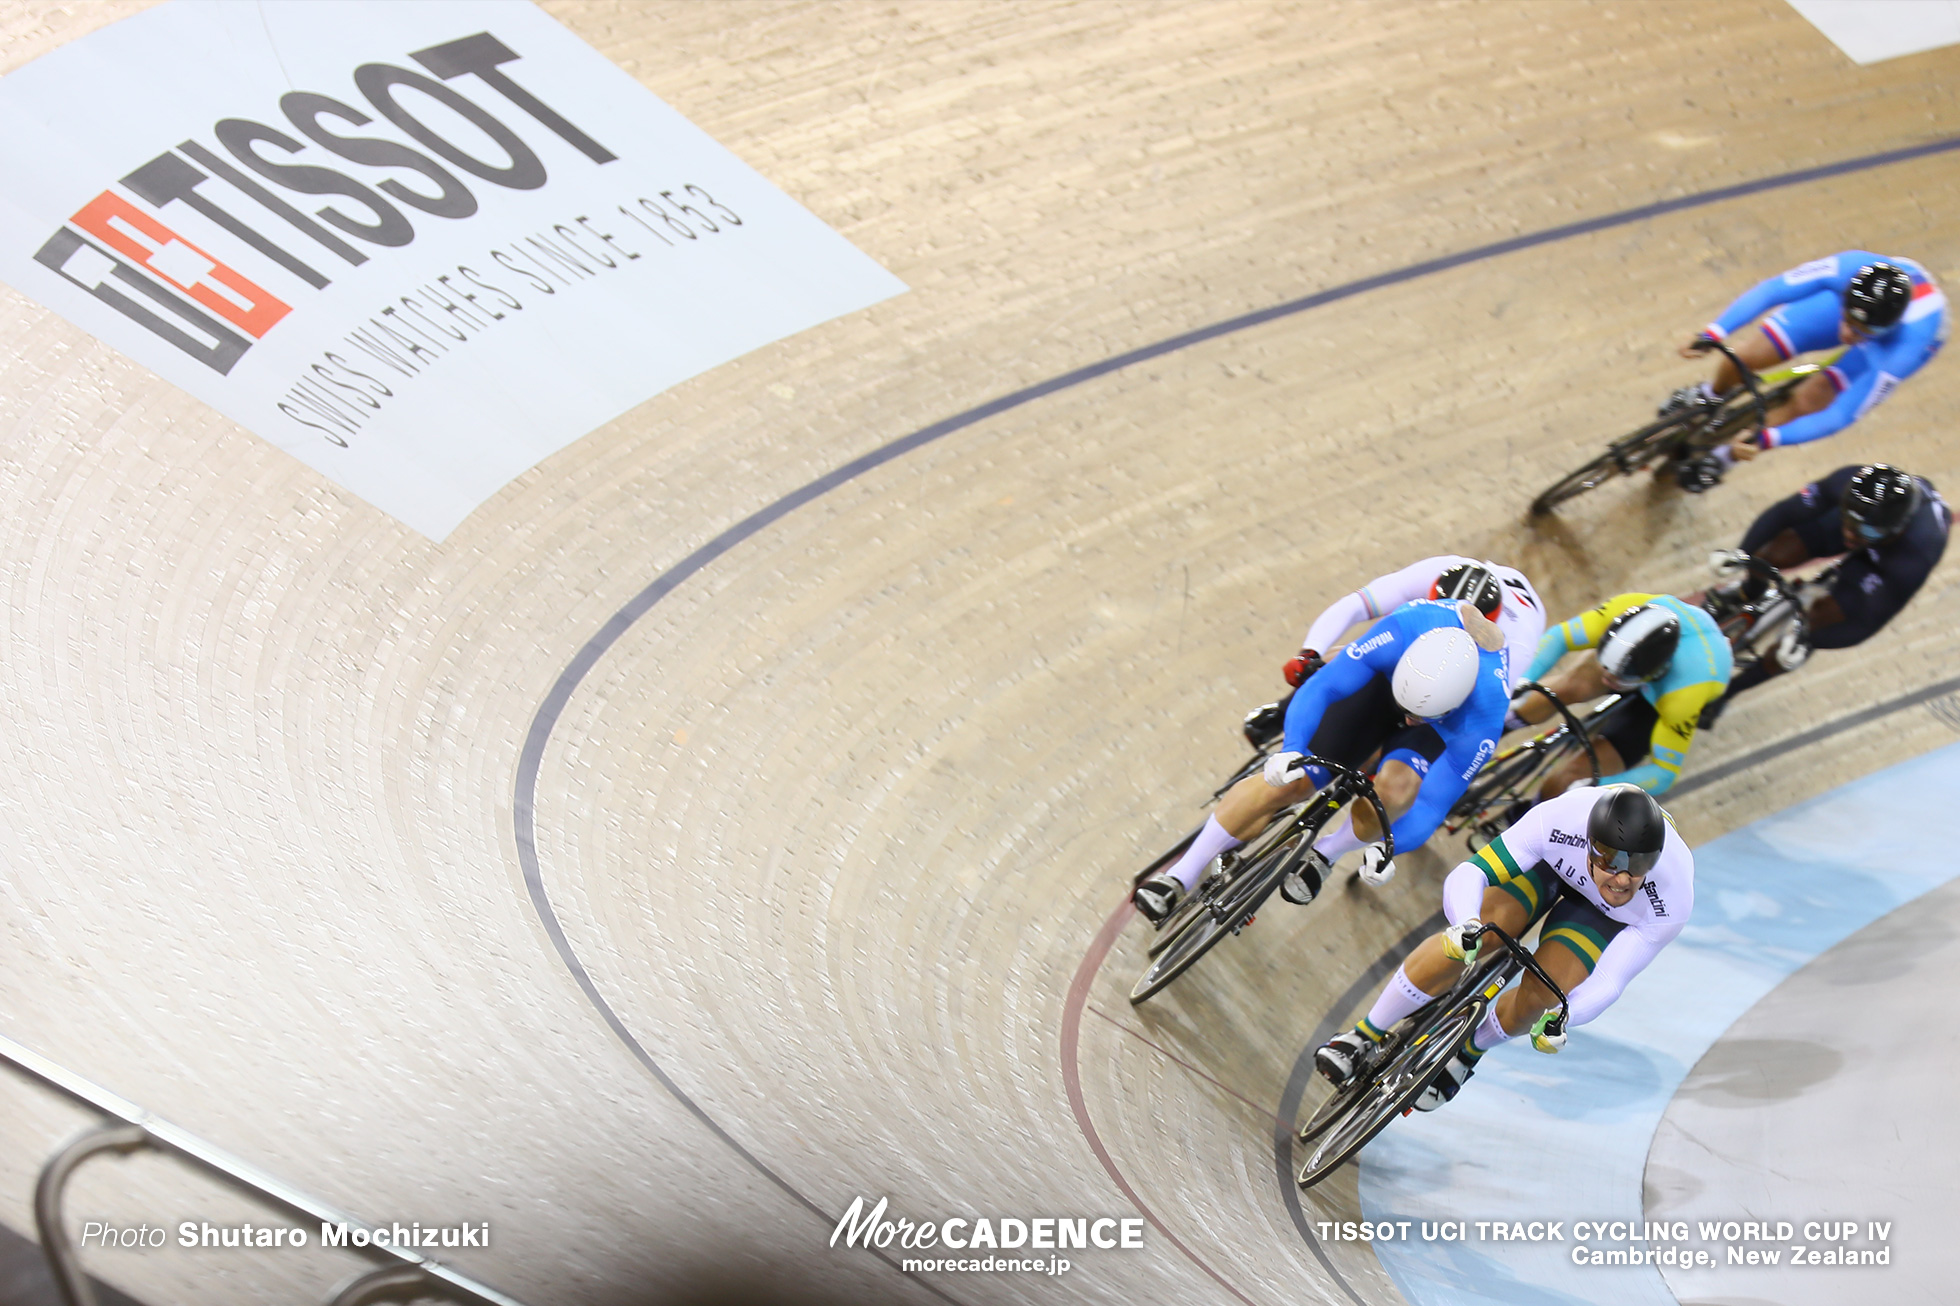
1298,669
1376,868
1701,344
1453,941
1543,1041
1728,562
1283,769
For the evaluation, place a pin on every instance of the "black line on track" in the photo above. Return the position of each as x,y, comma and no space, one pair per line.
1851,721
530,759
1302,1075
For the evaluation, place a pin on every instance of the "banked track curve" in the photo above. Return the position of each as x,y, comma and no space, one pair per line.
545,720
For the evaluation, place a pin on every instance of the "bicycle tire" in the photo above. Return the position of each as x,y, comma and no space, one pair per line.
1392,1088
1166,858
1175,922
1626,455
1240,899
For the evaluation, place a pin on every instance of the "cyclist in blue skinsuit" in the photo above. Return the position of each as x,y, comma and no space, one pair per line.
1888,313
1427,687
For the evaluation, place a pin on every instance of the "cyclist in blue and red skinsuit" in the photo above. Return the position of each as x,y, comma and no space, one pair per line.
1426,687
1888,313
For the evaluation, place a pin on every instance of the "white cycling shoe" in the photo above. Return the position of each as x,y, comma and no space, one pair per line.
1304,881
1447,1084
1341,1057
1157,897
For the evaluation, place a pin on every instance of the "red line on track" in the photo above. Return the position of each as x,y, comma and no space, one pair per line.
1078,998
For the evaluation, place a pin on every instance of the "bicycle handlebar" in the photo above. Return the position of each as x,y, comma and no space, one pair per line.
1748,375
1579,732
1762,571
1530,963
1359,786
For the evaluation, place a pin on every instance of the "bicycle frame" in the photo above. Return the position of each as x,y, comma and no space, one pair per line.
1677,435
1226,900
1548,746
1421,1046
1758,385
1347,785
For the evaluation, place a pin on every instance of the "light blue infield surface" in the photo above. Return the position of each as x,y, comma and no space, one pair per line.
1565,1138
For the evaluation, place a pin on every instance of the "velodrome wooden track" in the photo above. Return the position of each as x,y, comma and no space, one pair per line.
832,829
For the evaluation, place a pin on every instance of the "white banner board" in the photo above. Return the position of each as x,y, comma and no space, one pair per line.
418,246
1871,31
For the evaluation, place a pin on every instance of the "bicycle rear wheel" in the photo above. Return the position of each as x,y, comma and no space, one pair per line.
1391,1089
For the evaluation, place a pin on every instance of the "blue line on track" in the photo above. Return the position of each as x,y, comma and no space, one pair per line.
524,811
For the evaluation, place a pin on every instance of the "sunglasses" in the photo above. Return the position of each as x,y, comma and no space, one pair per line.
1617,861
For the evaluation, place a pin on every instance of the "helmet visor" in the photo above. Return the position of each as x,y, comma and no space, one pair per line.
1865,330
1618,861
1869,532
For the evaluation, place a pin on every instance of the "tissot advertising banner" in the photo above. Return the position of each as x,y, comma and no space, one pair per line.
418,246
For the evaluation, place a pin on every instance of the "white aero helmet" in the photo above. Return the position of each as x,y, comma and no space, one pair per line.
1436,674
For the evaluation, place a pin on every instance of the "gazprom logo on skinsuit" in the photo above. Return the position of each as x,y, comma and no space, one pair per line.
1367,646
1484,752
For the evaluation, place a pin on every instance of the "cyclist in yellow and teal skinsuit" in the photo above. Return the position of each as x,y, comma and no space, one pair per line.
1671,651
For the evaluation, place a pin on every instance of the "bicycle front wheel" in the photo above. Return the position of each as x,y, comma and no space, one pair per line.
1390,1091
1210,923
1625,456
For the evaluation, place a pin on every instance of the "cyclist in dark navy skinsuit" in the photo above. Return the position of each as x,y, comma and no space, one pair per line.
1891,529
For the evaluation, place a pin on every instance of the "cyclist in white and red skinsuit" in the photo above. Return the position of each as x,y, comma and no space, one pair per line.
1521,618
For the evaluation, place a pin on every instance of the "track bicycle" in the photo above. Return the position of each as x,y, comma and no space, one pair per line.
1676,437
1413,1054
1516,774
1237,885
1763,614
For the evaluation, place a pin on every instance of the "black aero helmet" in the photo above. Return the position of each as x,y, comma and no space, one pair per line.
1627,829
1879,503
1876,297
1640,643
1468,583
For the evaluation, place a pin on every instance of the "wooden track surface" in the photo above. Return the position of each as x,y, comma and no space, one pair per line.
833,827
